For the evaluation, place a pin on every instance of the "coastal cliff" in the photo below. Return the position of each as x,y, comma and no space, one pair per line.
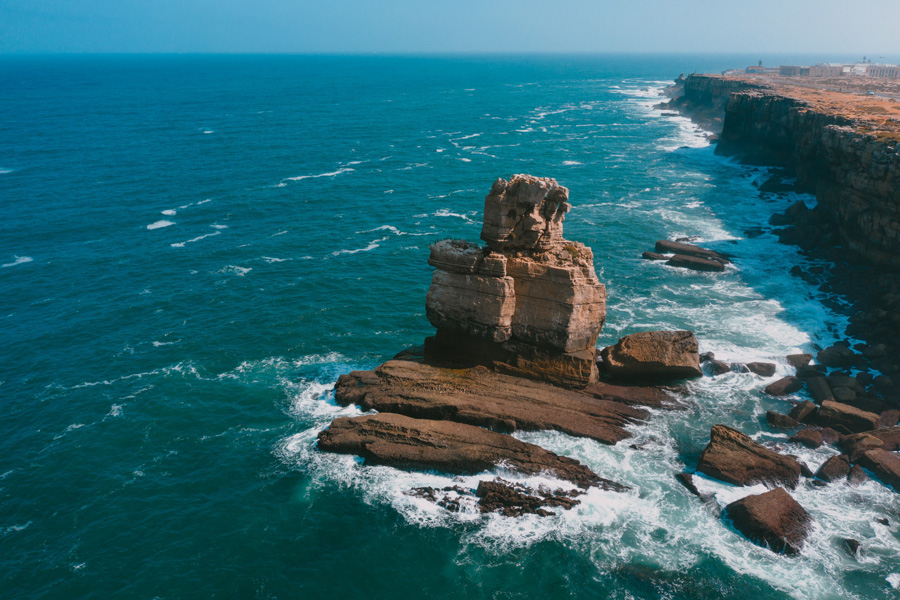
843,147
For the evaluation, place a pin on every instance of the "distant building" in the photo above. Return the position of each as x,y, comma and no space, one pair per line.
759,69
864,69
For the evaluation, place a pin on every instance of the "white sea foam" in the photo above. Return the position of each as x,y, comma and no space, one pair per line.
465,159
372,245
160,224
169,212
209,131
302,177
13,528
5,171
571,162
270,259
196,239
18,260
894,580
235,270
115,410
218,226
158,344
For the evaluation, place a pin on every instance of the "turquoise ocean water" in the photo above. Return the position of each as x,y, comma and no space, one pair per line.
193,248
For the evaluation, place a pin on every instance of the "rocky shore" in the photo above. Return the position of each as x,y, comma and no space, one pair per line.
517,322
844,148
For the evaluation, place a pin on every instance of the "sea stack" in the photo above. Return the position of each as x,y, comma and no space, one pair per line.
528,302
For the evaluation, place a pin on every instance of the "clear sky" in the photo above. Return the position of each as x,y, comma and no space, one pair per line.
870,27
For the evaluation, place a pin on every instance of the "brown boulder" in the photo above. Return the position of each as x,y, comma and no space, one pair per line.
811,438
885,465
695,264
780,421
667,247
479,396
834,468
654,354
890,436
784,386
799,360
804,412
773,520
764,369
424,444
718,367
654,256
854,446
733,457
836,355
819,389
832,414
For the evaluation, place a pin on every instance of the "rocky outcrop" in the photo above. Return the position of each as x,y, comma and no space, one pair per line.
733,457
773,520
400,441
529,301
833,414
885,465
653,355
836,467
479,396
514,500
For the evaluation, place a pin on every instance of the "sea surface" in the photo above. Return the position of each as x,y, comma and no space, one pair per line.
193,248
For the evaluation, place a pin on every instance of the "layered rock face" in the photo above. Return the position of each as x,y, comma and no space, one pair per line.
529,302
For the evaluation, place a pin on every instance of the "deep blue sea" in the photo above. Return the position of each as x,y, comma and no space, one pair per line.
193,248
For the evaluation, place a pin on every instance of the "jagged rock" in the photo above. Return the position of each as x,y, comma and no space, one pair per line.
515,500
773,520
811,438
718,367
856,445
888,420
780,421
695,264
804,412
836,355
707,356
784,386
890,436
857,475
799,360
836,467
885,465
654,355
819,389
479,396
733,457
830,436
678,248
762,368
632,395
654,256
739,368
424,444
833,414
530,299
851,546
687,480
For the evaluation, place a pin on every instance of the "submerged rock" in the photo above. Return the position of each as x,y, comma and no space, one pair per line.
733,457
773,520
764,369
479,396
653,355
780,421
515,500
679,248
424,444
836,467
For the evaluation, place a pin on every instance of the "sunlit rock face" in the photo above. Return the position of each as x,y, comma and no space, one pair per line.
529,302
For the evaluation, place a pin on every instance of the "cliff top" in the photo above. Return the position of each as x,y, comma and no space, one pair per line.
877,114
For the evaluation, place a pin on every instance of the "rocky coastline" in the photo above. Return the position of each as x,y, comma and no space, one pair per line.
517,321
845,149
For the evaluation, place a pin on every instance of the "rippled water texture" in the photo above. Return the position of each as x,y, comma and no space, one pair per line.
194,248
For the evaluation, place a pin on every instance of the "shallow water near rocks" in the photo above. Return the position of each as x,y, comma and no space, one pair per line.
194,248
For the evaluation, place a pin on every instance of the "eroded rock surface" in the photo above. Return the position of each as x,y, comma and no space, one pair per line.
425,444
733,457
479,396
773,520
528,295
653,355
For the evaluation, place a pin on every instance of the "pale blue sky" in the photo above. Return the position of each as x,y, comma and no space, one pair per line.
870,27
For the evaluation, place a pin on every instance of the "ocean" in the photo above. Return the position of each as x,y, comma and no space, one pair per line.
193,248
